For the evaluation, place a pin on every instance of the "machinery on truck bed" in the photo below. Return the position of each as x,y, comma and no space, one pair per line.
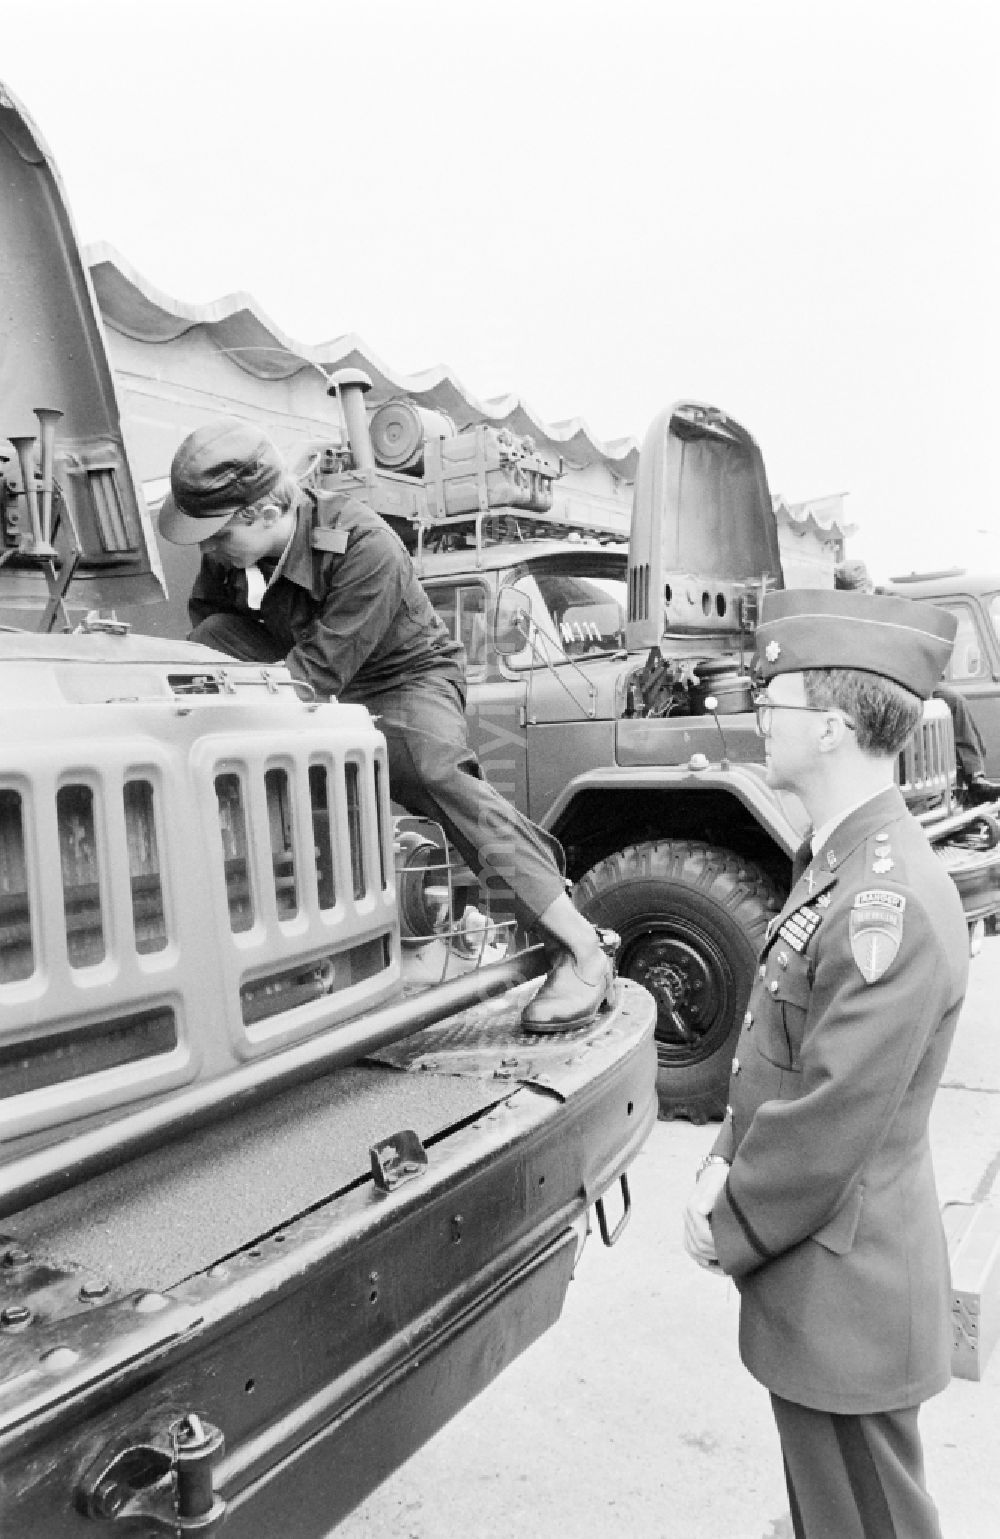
610,695
282,1182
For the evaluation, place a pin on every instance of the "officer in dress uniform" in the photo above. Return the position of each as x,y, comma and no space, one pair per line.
818,1197
318,580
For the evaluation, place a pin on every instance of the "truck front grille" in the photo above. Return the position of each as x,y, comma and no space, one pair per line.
926,764
63,1056
276,992
175,902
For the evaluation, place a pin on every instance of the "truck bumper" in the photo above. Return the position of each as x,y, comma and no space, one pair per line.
341,1337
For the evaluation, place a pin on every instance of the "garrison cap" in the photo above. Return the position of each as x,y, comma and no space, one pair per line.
222,466
896,638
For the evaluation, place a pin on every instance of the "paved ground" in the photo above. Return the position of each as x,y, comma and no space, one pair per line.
634,1417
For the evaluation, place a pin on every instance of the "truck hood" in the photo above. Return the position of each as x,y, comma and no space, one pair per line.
54,356
703,525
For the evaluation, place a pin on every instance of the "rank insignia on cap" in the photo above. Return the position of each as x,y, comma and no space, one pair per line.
876,931
772,651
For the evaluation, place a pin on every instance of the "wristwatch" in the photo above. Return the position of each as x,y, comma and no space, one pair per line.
710,1159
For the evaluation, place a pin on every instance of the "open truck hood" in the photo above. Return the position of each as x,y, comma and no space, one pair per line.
54,356
703,525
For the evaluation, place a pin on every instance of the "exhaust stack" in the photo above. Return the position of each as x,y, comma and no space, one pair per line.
350,386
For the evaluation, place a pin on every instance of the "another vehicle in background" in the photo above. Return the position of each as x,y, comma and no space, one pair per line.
974,670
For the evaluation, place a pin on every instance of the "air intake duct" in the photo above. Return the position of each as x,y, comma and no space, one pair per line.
399,430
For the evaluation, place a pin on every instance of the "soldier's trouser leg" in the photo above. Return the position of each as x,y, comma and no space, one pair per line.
855,1477
434,772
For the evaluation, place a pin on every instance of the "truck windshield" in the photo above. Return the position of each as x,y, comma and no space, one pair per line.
578,613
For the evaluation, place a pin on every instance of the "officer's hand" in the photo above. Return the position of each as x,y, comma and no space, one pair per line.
698,1240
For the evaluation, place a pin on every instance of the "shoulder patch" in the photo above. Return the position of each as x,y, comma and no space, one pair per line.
332,541
876,931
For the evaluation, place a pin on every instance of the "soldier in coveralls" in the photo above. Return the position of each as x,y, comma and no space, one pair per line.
818,1196
320,581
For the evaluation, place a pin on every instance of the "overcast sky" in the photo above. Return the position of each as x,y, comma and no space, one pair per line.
787,209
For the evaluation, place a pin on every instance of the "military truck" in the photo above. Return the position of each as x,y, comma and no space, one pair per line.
282,1181
974,669
609,690
610,695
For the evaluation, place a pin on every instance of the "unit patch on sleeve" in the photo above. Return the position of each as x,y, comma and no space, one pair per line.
876,931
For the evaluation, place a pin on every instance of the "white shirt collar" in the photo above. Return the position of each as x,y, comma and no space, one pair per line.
257,585
819,836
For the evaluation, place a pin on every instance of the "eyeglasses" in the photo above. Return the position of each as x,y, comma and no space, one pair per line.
763,708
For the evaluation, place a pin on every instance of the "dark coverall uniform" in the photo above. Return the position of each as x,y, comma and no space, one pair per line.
829,1219
349,616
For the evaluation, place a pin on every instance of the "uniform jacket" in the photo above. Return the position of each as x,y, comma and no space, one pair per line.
347,607
829,1220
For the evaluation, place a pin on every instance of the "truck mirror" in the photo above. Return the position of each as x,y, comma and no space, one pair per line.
512,622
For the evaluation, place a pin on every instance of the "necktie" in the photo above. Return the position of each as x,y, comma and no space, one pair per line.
801,859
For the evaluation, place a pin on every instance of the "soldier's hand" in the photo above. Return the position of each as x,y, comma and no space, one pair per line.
698,1240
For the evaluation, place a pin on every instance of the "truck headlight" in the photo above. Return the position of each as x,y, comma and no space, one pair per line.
423,885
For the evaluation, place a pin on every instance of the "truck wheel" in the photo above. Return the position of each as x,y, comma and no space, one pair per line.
692,920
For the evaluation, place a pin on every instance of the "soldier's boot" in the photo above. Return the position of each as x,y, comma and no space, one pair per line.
982,789
569,998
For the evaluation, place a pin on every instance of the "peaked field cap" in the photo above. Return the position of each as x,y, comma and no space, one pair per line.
896,638
224,465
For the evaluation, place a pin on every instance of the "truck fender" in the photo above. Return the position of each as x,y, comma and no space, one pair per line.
782,816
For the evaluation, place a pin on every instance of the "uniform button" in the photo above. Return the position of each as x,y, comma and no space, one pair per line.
782,958
736,1065
773,985
748,1019
729,1111
763,970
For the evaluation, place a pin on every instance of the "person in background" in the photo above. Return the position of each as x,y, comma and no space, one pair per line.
970,750
818,1197
320,581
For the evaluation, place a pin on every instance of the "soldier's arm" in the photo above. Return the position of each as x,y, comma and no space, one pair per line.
363,590
212,592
